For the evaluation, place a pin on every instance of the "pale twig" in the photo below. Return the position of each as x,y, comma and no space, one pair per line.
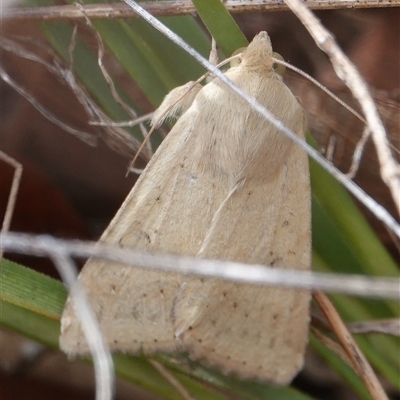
42,245
379,211
358,360
331,345
134,122
100,57
102,360
108,79
181,7
356,159
115,134
118,139
172,380
15,48
390,326
347,72
12,197
86,137
395,239
330,148
63,74
384,326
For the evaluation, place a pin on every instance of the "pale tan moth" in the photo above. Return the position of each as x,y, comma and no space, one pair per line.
225,184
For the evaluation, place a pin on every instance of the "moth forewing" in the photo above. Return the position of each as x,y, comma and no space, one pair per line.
225,184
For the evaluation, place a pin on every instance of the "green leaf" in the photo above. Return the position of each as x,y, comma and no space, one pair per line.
221,25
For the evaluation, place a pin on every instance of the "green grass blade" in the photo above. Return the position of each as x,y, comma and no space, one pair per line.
31,304
31,290
347,373
381,350
344,242
221,25
347,218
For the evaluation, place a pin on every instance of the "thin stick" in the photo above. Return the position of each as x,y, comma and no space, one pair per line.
130,123
102,360
360,363
12,197
358,285
108,79
116,138
85,136
389,326
383,326
182,7
331,345
356,159
172,380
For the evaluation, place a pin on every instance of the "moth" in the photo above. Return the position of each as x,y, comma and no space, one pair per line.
225,184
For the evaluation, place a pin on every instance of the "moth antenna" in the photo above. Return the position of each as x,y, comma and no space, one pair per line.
366,134
322,87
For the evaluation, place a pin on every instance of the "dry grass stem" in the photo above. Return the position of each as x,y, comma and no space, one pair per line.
331,345
172,380
85,136
110,82
115,137
384,326
358,360
12,197
182,7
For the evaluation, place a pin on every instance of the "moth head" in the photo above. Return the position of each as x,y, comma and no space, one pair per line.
279,68
258,54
